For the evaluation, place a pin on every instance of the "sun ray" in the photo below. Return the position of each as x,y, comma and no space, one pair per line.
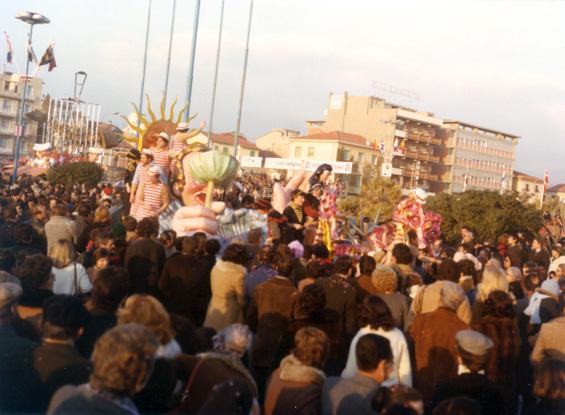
134,127
180,114
140,116
150,110
162,107
172,110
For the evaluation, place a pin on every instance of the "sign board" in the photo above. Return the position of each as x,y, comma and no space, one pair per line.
386,170
336,101
339,167
253,162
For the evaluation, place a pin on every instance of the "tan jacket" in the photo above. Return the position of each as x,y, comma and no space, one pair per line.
228,295
551,341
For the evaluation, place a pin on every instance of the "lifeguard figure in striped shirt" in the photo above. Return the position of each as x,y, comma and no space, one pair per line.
153,196
161,156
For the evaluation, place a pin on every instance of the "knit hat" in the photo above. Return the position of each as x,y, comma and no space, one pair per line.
9,294
473,342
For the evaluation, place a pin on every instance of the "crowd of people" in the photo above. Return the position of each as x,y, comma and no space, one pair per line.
99,313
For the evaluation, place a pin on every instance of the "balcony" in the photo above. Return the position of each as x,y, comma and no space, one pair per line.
6,113
423,138
422,156
408,172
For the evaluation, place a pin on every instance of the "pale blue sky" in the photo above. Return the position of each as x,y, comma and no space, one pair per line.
499,64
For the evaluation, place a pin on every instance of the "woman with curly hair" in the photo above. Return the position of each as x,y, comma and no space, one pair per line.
375,318
499,324
385,281
227,281
549,388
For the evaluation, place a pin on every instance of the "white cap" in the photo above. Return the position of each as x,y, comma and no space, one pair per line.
182,126
164,136
42,146
154,170
147,151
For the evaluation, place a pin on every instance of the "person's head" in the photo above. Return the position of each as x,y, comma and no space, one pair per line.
254,237
367,265
555,252
315,270
163,140
212,247
147,228
473,349
397,400
320,251
297,198
168,238
560,272
7,260
236,253
343,265
402,254
494,278
461,405
59,209
537,244
102,215
130,223
148,311
154,175
311,300
123,359
101,258
375,313
374,357
512,239
284,266
10,293
549,380
110,288
62,253
64,316
234,339
451,295
499,305
35,273
23,233
146,157
384,279
84,210
311,347
447,271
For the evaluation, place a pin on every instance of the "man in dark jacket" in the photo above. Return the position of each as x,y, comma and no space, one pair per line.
295,218
341,302
473,349
145,258
20,387
56,360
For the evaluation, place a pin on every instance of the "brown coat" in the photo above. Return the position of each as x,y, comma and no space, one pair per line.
294,388
436,358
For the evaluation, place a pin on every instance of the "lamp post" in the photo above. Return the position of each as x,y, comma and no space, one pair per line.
32,19
192,57
147,26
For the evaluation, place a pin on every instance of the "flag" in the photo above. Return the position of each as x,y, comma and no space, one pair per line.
49,58
545,180
382,147
10,54
31,54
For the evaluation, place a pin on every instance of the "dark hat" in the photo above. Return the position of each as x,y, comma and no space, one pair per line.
65,311
134,154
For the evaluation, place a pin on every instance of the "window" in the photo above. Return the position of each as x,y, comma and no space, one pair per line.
5,124
297,152
4,144
537,188
527,187
361,157
7,106
311,151
225,150
374,159
216,148
29,92
252,153
346,155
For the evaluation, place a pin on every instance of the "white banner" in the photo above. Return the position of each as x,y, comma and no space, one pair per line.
386,170
339,167
248,161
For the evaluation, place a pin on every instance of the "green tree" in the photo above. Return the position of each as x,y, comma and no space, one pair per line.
489,214
75,173
378,198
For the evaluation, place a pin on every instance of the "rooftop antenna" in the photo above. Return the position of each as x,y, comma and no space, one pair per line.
396,95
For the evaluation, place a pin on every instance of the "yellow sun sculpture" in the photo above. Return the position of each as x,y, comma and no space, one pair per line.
149,129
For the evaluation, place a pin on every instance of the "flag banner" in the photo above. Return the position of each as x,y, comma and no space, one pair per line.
49,58
31,54
545,180
10,54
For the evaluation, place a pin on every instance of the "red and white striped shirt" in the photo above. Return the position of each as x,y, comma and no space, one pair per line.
152,202
162,159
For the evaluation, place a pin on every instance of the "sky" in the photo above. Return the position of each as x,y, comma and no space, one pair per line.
497,64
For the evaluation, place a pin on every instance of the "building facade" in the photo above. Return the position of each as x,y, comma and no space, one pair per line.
529,187
277,141
339,146
424,150
557,191
224,142
11,90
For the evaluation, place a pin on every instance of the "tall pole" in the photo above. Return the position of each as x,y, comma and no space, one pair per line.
140,138
216,75
20,126
192,56
242,91
170,51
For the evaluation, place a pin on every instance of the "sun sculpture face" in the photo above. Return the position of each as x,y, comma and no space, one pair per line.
149,129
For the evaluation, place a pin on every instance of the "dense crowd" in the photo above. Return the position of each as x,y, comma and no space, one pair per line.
101,314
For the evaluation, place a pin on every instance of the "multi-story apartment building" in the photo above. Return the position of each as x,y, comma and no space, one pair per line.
424,150
277,141
339,146
11,90
478,158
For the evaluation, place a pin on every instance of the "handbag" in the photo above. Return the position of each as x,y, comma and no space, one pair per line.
76,284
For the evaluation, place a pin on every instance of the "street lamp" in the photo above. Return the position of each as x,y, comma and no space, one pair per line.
32,19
